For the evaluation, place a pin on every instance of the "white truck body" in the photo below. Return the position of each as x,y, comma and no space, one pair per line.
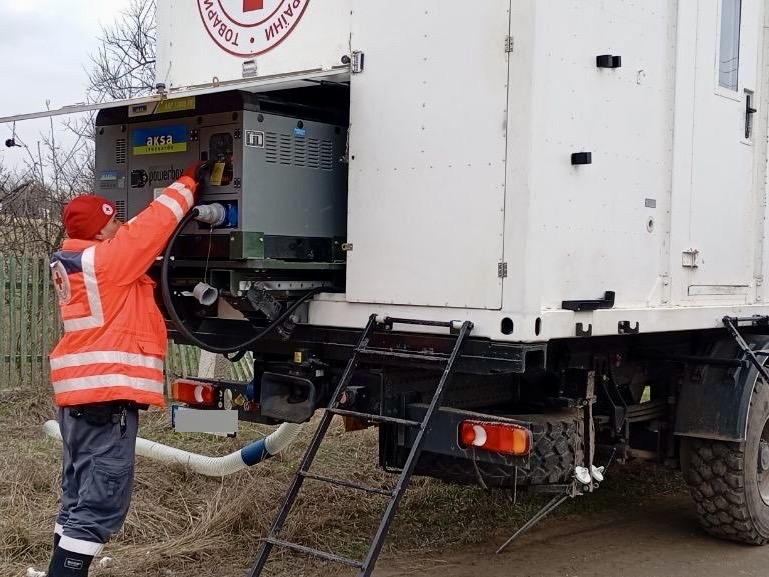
463,200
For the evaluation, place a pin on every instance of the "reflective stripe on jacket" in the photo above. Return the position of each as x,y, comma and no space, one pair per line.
114,341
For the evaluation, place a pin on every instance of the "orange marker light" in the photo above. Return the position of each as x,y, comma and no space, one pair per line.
495,437
194,392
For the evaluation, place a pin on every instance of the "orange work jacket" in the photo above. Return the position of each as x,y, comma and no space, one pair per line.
114,341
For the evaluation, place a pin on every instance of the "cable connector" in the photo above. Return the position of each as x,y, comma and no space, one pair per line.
213,214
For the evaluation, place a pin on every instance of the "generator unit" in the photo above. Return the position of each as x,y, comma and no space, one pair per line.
278,182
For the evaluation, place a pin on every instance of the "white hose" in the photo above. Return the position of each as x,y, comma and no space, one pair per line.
281,438
250,455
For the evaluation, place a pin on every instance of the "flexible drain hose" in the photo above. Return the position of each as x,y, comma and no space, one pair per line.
252,454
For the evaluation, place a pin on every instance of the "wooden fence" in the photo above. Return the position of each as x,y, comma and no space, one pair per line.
30,327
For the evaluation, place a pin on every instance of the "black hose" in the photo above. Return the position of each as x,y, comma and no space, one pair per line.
165,289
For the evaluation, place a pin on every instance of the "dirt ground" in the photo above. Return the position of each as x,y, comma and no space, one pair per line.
649,537
661,539
640,523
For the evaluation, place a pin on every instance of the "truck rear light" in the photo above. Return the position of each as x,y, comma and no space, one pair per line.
194,392
496,437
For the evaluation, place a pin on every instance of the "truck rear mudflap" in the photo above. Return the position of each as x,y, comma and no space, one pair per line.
556,448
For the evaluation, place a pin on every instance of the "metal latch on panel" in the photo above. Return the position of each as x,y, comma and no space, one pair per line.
347,246
607,302
608,61
250,69
358,62
689,258
502,270
580,158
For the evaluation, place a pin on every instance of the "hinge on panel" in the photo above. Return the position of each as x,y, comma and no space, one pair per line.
689,258
347,246
357,63
509,44
502,270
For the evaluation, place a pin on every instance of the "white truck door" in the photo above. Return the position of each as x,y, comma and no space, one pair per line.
720,257
427,153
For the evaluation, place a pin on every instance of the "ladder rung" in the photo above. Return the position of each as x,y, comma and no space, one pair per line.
396,321
374,418
344,483
315,552
403,356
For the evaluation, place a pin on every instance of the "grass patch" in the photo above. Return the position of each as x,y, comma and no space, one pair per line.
185,525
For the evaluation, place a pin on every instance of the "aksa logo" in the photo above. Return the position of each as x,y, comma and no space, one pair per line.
250,27
166,140
160,140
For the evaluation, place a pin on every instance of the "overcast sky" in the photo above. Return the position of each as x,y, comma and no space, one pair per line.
44,53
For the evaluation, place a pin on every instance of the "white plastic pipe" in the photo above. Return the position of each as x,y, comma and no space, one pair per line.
252,454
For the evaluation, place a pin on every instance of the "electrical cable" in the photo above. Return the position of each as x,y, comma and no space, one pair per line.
237,356
179,323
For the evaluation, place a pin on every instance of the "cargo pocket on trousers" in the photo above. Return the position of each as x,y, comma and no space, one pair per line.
109,491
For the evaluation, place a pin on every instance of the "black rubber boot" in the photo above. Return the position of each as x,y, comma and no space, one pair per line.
68,564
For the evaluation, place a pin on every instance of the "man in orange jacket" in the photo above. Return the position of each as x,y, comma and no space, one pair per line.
109,363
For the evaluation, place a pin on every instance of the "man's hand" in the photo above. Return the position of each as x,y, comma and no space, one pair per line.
198,170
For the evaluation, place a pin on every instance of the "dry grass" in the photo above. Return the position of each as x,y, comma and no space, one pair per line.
185,525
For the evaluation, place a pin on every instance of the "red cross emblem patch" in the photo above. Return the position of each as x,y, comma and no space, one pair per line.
61,282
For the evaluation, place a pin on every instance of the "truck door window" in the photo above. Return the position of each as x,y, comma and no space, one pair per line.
729,52
220,152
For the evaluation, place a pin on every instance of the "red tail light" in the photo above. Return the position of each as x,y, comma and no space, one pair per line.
496,437
194,392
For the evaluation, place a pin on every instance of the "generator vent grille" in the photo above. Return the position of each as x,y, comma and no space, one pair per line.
298,151
286,150
121,213
120,151
271,147
326,155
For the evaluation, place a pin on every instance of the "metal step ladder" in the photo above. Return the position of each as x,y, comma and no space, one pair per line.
363,352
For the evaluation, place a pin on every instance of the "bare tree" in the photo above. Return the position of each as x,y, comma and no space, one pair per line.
33,195
124,66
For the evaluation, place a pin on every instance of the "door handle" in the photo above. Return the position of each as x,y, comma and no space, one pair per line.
749,112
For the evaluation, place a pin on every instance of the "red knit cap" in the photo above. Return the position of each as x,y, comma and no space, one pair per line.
86,215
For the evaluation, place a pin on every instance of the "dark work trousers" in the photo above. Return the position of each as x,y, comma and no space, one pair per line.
97,479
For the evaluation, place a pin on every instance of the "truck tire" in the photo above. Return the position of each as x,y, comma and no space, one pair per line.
557,448
730,481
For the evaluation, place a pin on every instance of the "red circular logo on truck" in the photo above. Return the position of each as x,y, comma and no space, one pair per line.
250,27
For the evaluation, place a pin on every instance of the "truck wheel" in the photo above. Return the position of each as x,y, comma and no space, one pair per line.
730,481
557,448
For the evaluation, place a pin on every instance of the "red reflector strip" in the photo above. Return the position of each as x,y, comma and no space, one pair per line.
194,392
495,437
